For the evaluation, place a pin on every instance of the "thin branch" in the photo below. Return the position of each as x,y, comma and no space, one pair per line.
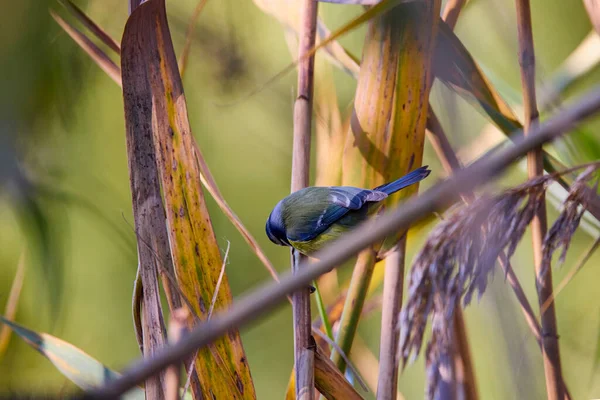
539,224
91,25
214,299
513,281
183,59
440,143
266,297
99,56
303,341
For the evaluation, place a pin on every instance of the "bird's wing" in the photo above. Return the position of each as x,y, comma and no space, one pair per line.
338,202
354,198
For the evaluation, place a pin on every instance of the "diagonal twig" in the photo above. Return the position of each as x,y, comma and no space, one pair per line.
183,59
539,224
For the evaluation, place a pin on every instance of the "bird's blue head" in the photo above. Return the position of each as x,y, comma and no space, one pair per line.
275,228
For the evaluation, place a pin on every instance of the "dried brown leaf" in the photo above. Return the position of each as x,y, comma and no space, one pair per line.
156,110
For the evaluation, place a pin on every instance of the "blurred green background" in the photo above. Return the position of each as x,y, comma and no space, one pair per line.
65,201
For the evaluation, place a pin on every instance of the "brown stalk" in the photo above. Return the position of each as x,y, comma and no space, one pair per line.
266,297
535,167
150,227
526,307
441,145
303,341
393,288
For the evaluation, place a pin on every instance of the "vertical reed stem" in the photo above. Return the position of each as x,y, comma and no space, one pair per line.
303,352
550,349
393,284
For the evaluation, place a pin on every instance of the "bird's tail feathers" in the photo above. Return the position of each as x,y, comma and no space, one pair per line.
411,178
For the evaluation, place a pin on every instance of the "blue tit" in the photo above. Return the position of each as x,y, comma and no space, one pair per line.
312,217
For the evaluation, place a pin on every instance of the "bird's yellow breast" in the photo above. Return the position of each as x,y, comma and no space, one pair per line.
316,244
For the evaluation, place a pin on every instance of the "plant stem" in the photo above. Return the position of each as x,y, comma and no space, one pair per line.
150,227
355,299
303,342
393,284
539,224
323,311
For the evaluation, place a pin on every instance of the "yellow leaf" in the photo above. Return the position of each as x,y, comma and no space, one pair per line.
150,69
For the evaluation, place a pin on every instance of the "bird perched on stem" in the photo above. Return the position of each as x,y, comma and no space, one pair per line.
312,217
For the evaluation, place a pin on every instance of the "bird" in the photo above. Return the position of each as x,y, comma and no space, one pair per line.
310,218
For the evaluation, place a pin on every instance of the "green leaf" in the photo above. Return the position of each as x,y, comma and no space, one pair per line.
77,366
